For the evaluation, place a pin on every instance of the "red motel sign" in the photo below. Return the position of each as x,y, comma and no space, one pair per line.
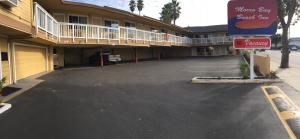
252,43
252,17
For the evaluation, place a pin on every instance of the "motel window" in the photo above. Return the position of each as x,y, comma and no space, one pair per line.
77,19
4,56
129,25
196,36
113,24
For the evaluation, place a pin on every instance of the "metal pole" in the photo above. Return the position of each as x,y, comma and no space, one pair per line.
252,64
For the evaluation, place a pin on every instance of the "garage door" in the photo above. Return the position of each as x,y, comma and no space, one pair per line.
29,61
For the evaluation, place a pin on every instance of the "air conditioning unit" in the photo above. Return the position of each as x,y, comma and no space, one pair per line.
11,3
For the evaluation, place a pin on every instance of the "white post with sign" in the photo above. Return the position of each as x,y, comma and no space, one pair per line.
252,64
249,20
252,44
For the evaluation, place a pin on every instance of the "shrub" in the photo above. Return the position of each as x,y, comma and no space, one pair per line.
2,82
244,70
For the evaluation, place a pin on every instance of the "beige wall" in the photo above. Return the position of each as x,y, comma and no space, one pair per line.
262,61
73,56
99,20
50,59
127,54
22,12
215,34
59,57
5,64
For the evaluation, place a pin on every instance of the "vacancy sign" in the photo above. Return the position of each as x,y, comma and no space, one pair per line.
252,43
252,17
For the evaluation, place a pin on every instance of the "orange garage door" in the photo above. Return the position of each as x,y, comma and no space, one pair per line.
29,61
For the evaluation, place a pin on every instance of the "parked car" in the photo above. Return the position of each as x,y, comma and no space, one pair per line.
114,58
294,47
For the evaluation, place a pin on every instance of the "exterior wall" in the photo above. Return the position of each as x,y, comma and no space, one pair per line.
144,53
50,59
99,20
59,57
263,63
87,53
73,56
194,51
214,34
216,51
127,54
5,64
22,12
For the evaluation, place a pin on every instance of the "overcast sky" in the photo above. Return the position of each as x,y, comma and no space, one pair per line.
193,13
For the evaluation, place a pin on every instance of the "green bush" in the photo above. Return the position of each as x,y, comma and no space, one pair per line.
2,82
244,70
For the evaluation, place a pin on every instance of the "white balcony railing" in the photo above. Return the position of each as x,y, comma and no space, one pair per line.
212,40
46,22
59,30
82,31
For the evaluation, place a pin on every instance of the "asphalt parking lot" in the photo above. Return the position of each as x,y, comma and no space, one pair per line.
148,100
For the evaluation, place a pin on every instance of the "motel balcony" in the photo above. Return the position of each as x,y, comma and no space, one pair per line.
59,33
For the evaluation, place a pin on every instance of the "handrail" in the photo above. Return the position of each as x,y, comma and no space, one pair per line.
60,30
45,21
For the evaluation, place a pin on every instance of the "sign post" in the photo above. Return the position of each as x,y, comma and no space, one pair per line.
252,44
252,64
251,23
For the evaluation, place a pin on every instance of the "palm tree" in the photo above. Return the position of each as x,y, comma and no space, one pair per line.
166,14
140,5
132,5
175,10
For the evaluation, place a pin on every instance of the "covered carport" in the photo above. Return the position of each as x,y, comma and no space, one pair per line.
99,55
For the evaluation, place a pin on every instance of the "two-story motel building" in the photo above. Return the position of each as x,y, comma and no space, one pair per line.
36,35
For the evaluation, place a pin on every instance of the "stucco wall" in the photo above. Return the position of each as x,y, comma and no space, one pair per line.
262,61
5,64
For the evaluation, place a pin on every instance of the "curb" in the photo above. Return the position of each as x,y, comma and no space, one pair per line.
5,107
24,88
287,111
196,80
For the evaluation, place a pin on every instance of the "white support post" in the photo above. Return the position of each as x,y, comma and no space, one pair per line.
86,33
46,24
73,35
98,34
135,36
144,37
119,37
58,31
52,29
252,64
36,18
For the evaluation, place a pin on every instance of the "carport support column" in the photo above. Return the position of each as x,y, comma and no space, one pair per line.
158,57
136,55
101,57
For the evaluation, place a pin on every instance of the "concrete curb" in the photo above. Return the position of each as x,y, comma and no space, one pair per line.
196,80
287,111
5,107
24,87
